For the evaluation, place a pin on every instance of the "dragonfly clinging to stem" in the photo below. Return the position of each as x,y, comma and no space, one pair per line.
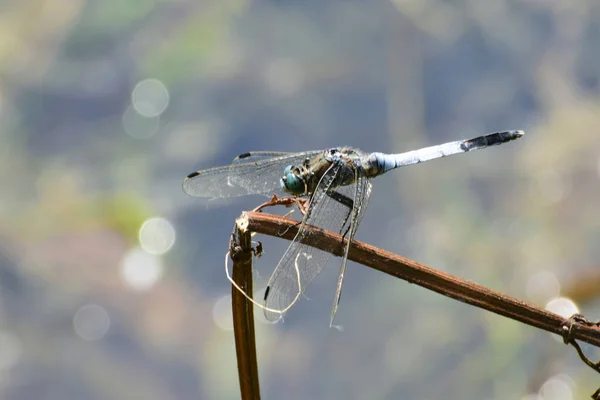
335,181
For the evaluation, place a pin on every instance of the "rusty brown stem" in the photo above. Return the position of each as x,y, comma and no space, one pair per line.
241,253
432,279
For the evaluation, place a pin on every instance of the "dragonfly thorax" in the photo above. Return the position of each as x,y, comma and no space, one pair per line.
303,178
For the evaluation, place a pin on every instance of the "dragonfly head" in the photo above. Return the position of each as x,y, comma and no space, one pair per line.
292,182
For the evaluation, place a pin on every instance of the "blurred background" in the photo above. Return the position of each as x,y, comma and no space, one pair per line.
112,282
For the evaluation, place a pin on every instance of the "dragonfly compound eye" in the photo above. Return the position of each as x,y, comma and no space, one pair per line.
291,183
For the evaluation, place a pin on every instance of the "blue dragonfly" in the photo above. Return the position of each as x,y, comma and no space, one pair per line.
336,183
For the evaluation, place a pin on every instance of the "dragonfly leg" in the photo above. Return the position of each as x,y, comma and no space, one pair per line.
348,202
340,198
304,207
346,230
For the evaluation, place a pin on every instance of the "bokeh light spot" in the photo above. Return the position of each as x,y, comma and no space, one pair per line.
562,306
157,235
222,315
141,270
91,322
557,388
150,98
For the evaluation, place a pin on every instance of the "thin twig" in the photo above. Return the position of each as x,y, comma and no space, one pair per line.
241,252
413,272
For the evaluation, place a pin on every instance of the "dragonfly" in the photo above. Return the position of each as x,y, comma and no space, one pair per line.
336,183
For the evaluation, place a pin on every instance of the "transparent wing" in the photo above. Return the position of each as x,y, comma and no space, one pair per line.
301,263
254,156
362,194
260,175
